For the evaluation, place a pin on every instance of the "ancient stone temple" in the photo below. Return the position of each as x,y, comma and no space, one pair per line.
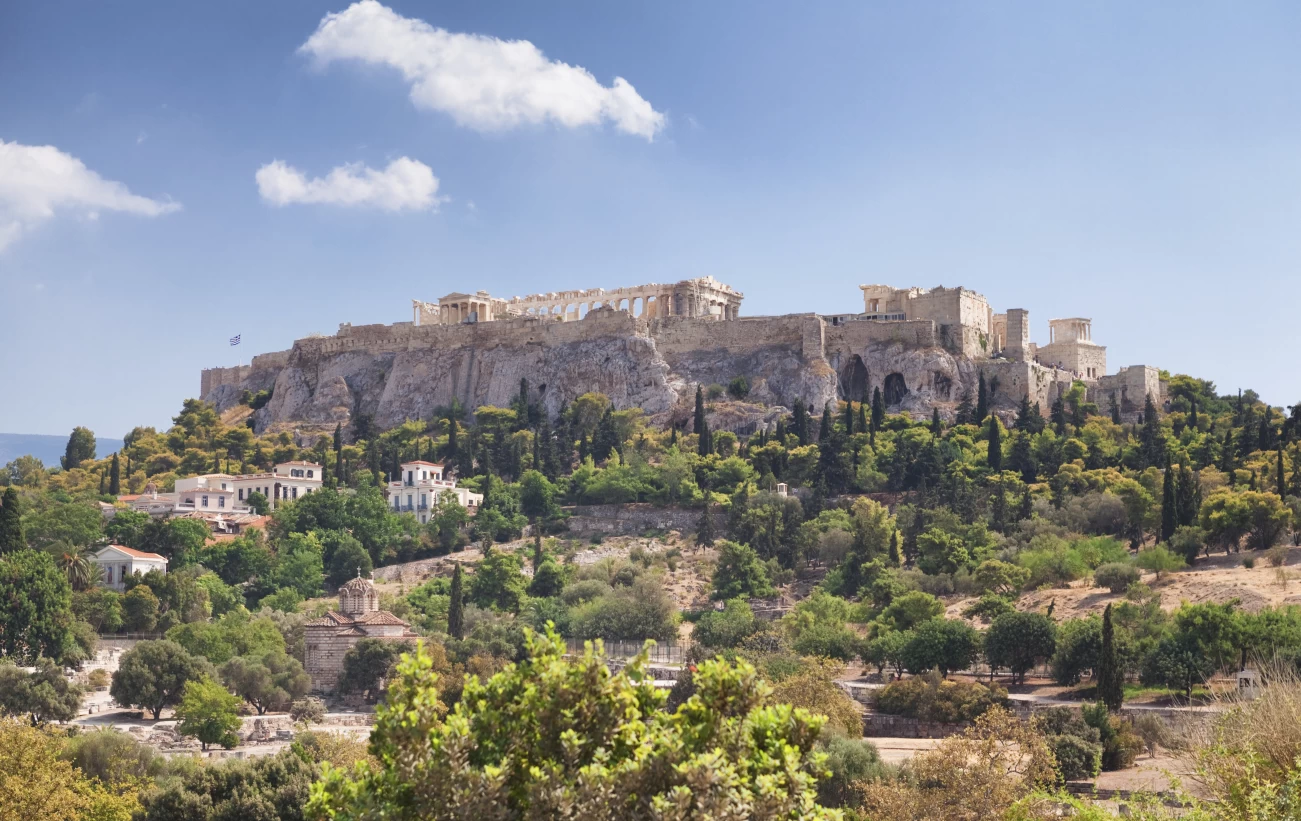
331,636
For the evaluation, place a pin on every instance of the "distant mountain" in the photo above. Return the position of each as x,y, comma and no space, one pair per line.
49,449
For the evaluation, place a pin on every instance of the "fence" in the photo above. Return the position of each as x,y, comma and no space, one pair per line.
671,652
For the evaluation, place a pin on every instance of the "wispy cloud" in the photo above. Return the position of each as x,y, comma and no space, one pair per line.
405,184
39,181
482,82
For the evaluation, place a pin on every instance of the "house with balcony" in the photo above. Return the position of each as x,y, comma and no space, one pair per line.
421,484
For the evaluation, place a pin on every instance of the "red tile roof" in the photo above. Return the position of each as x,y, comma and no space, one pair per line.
139,554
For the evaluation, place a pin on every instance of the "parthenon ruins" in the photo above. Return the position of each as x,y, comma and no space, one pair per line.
703,297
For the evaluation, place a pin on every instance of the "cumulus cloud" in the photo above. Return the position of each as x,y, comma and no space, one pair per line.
482,82
39,181
405,184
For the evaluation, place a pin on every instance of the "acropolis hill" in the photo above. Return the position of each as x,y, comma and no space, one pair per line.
649,346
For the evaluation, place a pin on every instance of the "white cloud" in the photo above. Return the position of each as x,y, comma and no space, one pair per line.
482,82
404,184
37,181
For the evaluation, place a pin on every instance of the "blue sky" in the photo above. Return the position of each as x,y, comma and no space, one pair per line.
1136,163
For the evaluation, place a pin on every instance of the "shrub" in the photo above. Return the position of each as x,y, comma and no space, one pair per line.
99,677
1277,555
1153,730
930,698
739,387
1077,759
989,607
643,611
727,627
1249,562
714,391
1116,576
827,641
584,591
1158,560
850,761
308,710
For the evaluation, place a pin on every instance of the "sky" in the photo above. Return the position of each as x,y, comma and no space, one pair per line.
175,174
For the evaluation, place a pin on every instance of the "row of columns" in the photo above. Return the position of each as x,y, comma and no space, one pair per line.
650,306
454,312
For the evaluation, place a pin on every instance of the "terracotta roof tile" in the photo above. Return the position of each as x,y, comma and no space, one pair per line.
139,554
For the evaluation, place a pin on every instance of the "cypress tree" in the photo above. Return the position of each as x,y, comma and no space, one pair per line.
699,421
537,453
824,430
705,535
115,475
896,557
537,547
338,467
1110,674
705,442
456,608
863,403
338,437
1115,410
1227,461
937,427
878,410
964,410
781,432
800,423
1026,508
101,483
1058,416
998,509
982,400
995,452
1282,487
1169,505
848,419
11,522
1192,412
673,435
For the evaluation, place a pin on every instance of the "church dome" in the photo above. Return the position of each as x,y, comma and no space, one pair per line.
358,596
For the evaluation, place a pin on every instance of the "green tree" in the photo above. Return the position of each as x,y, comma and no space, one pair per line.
140,609
562,738
368,664
264,788
447,520
739,572
537,495
269,682
1019,641
982,401
115,477
1176,663
81,446
1002,578
698,418
1110,672
910,609
300,565
994,451
705,531
153,674
258,503
43,695
548,580
456,608
946,645
1169,505
727,627
878,411
499,582
35,608
349,560
1158,560
11,522
209,713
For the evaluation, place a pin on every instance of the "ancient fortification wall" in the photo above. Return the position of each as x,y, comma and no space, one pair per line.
406,371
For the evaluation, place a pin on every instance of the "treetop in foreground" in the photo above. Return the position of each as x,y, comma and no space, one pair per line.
552,737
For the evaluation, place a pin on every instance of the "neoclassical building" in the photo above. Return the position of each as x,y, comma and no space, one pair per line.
329,638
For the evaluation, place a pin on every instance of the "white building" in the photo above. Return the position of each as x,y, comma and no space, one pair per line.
223,492
420,486
118,562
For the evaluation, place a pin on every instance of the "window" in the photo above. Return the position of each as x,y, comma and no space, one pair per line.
205,501
223,485
108,574
295,492
241,494
310,474
221,501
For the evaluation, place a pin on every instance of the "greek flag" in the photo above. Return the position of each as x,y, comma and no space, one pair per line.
234,340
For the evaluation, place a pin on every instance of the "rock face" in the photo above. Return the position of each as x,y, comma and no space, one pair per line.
399,372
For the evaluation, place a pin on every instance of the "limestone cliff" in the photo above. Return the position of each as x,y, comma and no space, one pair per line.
400,372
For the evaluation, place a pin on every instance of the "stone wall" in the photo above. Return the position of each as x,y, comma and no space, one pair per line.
879,725
632,519
1130,386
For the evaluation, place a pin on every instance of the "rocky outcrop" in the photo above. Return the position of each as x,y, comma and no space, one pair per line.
395,373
